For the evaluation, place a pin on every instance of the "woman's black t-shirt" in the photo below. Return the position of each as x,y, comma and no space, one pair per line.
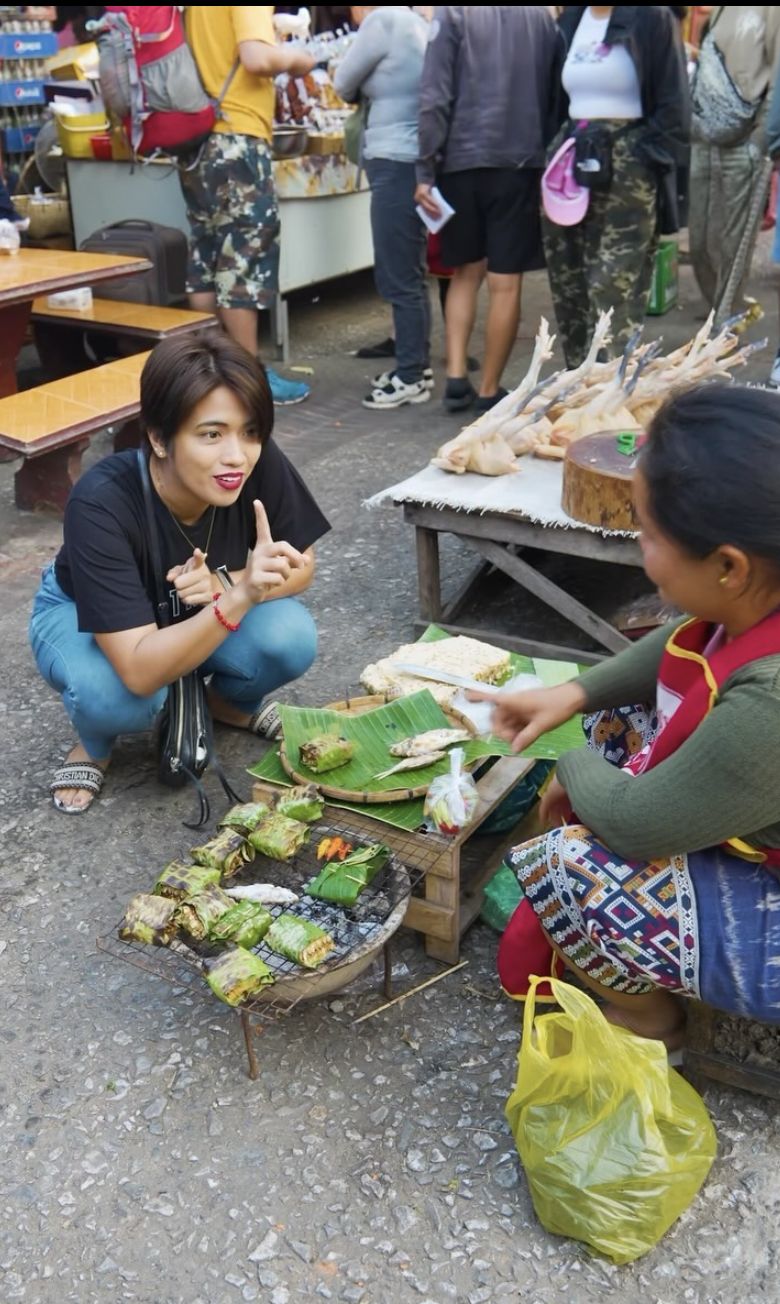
104,563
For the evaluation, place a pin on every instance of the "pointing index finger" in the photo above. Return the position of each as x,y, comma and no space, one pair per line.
261,520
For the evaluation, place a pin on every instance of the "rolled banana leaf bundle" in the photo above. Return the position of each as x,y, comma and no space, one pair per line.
304,803
245,923
278,837
178,880
236,975
246,817
198,914
342,881
149,919
327,752
228,852
299,940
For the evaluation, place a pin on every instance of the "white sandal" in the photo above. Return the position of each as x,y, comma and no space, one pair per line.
82,775
265,722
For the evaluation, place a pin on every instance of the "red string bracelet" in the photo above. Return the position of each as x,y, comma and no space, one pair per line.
220,617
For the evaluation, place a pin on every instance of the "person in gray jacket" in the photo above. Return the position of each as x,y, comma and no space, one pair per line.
383,68
488,104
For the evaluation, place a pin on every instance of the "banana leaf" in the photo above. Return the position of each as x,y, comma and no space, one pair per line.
198,914
279,837
245,923
303,803
341,882
299,940
236,974
327,752
228,852
373,732
149,919
178,880
246,817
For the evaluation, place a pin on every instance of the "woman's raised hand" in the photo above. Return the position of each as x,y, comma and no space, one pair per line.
193,581
521,718
270,564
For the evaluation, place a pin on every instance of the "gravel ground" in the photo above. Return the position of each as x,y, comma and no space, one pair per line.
367,1164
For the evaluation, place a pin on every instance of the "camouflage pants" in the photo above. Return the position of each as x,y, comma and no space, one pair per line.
234,221
605,261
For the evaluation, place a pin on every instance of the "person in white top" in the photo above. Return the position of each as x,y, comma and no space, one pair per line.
625,82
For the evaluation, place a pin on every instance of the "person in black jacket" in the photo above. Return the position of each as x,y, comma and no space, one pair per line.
624,74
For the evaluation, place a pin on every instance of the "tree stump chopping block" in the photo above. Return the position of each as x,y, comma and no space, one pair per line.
597,480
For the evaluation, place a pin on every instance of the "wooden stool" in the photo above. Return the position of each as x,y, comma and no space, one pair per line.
703,1059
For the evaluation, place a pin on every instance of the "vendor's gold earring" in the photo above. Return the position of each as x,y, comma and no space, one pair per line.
723,579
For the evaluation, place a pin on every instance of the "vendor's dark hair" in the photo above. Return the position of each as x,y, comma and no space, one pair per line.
182,370
712,468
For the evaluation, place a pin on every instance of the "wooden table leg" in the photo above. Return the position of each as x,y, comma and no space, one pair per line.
61,350
13,325
445,892
43,483
428,573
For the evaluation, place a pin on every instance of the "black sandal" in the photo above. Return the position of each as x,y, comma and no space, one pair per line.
82,775
265,722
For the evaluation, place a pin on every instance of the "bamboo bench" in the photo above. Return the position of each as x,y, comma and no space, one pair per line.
60,332
50,427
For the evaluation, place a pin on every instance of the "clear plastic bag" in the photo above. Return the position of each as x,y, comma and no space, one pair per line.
614,1143
9,237
451,801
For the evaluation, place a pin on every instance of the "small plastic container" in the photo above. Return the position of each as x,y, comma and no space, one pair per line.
102,147
75,132
77,300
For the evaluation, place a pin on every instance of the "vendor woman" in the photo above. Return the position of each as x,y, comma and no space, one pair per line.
666,881
236,527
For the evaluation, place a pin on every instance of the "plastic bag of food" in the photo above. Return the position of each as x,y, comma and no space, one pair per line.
614,1143
9,237
451,802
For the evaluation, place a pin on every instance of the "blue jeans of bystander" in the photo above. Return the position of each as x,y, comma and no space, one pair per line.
399,262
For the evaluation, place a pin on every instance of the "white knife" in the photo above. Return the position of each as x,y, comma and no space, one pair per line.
443,677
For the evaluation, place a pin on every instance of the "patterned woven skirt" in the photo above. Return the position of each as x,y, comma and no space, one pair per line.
706,924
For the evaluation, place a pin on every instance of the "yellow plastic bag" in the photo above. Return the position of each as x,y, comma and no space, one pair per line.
614,1143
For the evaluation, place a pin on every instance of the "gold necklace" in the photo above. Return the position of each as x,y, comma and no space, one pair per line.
186,537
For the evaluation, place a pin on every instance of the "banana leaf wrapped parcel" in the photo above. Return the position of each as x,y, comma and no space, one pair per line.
245,817
228,852
149,919
304,803
342,881
198,914
327,752
237,974
299,940
278,837
178,880
245,923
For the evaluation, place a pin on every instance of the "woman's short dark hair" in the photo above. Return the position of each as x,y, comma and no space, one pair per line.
182,370
712,468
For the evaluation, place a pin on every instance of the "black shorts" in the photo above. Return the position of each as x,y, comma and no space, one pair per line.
496,217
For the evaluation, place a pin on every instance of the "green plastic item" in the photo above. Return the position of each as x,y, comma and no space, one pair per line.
626,442
503,895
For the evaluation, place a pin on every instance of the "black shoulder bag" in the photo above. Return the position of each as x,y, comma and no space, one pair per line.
185,737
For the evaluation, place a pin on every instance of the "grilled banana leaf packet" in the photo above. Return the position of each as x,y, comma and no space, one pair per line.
305,803
235,975
299,940
178,880
198,914
245,817
245,923
327,752
342,881
279,837
228,852
149,919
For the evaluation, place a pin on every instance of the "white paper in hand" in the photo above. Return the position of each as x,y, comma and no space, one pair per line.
446,211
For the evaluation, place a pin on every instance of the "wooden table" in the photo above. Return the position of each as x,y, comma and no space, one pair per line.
498,539
31,272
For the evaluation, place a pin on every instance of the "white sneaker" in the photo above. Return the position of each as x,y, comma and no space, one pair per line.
396,394
774,375
384,379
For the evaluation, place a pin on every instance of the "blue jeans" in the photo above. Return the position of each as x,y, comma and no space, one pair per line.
399,262
277,642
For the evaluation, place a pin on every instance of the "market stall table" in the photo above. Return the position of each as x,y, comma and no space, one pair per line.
32,272
499,517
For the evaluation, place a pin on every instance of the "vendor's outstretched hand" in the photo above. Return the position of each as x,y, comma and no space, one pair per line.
521,718
193,581
270,564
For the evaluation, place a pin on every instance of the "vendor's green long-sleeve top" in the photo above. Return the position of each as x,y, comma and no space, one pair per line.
723,782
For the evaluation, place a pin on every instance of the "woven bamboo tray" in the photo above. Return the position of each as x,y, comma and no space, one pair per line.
356,706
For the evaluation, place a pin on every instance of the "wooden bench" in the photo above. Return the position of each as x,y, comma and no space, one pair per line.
50,427
59,332
705,1055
